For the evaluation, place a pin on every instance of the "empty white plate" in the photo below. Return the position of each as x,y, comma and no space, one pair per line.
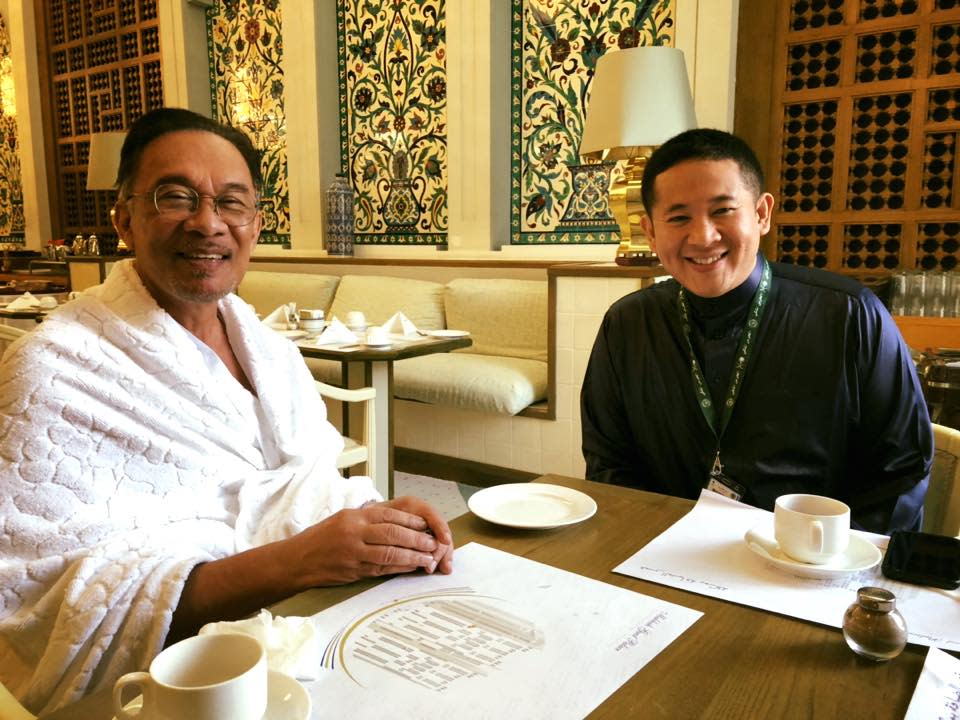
532,505
861,554
447,333
292,334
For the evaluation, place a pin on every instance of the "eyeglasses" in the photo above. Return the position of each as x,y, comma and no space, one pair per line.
179,202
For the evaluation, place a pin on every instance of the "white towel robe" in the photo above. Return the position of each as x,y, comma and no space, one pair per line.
122,467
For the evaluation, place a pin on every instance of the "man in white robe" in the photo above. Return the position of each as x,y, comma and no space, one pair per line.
164,460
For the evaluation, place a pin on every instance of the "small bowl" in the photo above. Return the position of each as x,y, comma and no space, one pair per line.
312,324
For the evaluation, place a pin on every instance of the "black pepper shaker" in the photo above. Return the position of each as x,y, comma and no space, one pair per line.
873,627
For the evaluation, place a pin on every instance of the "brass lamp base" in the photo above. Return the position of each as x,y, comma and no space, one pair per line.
626,203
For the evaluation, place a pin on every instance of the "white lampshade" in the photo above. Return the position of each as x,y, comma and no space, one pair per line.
639,98
104,159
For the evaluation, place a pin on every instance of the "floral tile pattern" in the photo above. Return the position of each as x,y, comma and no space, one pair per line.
393,123
11,188
556,45
246,52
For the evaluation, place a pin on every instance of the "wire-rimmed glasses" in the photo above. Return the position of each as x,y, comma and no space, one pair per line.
179,202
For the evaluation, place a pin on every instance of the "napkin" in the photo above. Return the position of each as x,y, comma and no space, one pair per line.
336,332
27,301
400,324
291,642
281,316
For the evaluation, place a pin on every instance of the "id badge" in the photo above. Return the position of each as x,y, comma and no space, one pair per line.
726,486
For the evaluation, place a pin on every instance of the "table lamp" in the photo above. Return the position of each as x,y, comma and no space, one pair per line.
102,163
639,98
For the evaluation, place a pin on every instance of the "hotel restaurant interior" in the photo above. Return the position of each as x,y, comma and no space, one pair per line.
450,204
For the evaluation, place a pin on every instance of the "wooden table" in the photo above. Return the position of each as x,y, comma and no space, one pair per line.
373,367
734,662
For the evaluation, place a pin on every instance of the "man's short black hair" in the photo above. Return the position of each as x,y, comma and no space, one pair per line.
161,121
701,144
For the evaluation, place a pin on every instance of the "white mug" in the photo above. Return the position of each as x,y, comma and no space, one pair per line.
356,319
811,528
377,335
206,677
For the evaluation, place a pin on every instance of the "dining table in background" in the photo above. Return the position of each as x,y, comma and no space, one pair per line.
734,662
373,367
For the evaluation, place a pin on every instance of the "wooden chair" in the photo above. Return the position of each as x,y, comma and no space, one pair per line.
355,453
9,333
942,506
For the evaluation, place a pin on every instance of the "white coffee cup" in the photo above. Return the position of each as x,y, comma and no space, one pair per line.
377,335
206,677
811,528
311,324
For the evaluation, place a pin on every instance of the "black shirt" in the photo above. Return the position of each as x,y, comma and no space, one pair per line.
830,403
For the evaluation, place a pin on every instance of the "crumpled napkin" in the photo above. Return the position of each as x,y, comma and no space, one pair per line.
281,316
291,643
27,301
336,332
400,324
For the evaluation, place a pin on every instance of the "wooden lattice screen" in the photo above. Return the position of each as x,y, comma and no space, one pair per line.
864,155
103,62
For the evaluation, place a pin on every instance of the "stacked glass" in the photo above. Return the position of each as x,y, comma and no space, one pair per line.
925,294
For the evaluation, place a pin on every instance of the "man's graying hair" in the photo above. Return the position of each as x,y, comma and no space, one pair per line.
701,144
159,122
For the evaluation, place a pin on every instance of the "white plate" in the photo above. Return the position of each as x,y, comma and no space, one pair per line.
292,334
447,333
386,344
532,505
286,699
861,554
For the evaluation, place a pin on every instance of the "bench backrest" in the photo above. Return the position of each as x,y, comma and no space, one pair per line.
504,317
379,297
267,291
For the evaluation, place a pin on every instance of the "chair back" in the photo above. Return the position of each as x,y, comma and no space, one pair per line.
942,506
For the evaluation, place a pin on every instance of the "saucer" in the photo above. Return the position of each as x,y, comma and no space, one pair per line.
292,334
287,699
385,344
861,554
448,333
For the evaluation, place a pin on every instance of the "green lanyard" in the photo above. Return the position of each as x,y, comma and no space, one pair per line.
747,338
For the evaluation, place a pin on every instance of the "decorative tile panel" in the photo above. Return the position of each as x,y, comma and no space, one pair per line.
873,246
556,46
807,156
878,151
806,14
245,41
939,159
874,9
943,105
11,187
813,65
945,50
393,118
803,244
886,56
938,245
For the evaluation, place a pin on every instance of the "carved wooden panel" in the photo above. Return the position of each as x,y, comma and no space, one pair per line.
865,134
103,58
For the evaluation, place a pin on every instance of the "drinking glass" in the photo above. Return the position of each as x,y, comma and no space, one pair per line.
916,283
898,293
934,294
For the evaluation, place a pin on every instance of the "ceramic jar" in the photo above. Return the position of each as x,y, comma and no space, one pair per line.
339,237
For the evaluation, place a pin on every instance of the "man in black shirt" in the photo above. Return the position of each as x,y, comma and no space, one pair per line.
752,378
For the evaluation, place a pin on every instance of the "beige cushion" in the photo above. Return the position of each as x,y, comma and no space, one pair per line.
504,317
267,291
473,382
379,297
328,371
